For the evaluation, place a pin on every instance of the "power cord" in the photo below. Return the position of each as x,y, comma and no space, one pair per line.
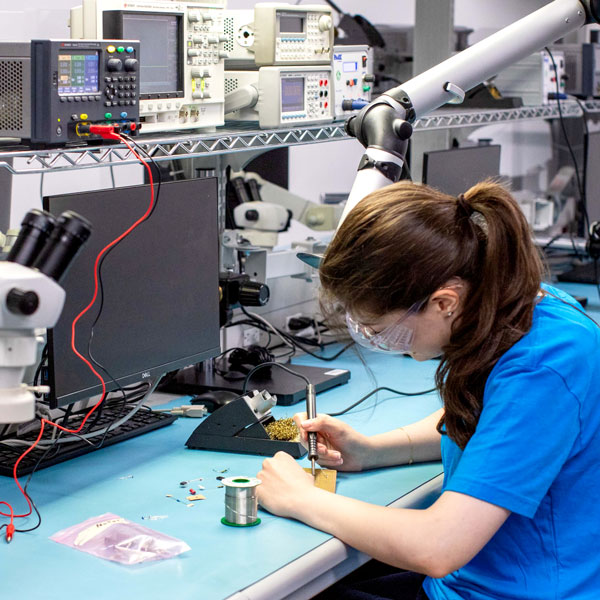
379,389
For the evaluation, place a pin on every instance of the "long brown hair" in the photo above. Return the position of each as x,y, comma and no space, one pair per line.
403,242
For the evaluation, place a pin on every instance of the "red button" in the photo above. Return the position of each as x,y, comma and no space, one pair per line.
320,82
326,104
326,82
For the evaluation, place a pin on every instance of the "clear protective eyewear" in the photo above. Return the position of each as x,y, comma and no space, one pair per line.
396,338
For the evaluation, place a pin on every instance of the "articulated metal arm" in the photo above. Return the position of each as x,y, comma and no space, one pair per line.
383,127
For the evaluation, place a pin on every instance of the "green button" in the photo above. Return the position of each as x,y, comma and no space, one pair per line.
120,49
366,88
108,115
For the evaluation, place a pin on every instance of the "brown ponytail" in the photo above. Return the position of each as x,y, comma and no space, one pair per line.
401,243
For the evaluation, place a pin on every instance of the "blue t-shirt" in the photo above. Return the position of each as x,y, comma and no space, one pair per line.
535,452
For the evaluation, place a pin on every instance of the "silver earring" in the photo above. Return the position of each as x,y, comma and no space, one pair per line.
449,313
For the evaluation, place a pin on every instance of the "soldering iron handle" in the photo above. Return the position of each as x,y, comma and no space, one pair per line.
311,411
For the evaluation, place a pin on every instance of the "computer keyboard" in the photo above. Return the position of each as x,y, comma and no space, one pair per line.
143,421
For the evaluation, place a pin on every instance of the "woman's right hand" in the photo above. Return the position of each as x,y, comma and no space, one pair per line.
339,446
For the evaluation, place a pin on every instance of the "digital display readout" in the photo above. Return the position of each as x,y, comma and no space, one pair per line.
292,94
350,67
78,73
291,24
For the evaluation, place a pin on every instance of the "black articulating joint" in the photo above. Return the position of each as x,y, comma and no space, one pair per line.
378,126
592,11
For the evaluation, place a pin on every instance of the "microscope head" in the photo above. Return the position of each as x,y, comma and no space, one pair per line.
31,298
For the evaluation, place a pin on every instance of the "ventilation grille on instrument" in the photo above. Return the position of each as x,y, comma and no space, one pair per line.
228,25
231,84
11,95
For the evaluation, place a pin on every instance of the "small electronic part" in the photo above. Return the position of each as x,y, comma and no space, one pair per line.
55,90
352,77
280,96
178,500
186,483
533,79
279,34
184,48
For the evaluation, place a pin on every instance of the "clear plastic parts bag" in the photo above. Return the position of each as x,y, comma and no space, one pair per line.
114,538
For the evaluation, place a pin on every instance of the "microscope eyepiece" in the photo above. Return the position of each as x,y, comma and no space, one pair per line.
36,227
70,233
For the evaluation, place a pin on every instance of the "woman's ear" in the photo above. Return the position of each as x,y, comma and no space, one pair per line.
446,301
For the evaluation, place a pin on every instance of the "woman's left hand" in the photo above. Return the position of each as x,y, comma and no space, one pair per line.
284,485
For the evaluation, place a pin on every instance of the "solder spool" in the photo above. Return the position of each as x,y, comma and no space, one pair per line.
241,502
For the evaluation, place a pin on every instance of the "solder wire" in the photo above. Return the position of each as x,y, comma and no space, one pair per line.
241,501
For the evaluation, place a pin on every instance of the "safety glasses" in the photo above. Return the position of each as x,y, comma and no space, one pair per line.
396,338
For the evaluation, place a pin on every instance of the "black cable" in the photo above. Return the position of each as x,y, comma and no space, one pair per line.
261,325
378,389
101,293
582,196
272,364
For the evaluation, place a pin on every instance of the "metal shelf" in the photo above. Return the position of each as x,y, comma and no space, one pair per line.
242,138
169,147
454,118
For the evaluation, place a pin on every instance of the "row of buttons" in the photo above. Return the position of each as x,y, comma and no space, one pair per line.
120,103
120,49
120,78
79,98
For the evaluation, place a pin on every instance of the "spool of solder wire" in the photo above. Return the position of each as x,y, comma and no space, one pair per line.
241,502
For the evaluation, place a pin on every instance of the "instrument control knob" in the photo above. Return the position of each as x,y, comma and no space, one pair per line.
253,293
131,64
114,64
325,23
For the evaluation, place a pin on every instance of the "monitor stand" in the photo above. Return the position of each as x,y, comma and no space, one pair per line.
288,388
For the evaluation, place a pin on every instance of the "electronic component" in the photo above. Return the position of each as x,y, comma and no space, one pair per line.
533,79
279,34
353,78
51,89
181,80
279,96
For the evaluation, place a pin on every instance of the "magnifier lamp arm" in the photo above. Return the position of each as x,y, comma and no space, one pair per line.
375,125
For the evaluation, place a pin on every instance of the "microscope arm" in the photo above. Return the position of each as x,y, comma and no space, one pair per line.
384,126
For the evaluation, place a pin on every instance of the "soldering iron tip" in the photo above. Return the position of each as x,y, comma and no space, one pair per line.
312,466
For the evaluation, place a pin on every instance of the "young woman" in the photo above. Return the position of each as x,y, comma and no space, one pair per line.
419,272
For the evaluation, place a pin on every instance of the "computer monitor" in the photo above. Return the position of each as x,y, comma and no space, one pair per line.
592,176
454,171
160,309
161,48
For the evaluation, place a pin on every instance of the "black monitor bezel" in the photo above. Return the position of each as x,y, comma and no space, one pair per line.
147,374
112,27
465,149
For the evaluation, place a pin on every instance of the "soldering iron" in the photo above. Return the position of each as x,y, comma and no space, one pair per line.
311,411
